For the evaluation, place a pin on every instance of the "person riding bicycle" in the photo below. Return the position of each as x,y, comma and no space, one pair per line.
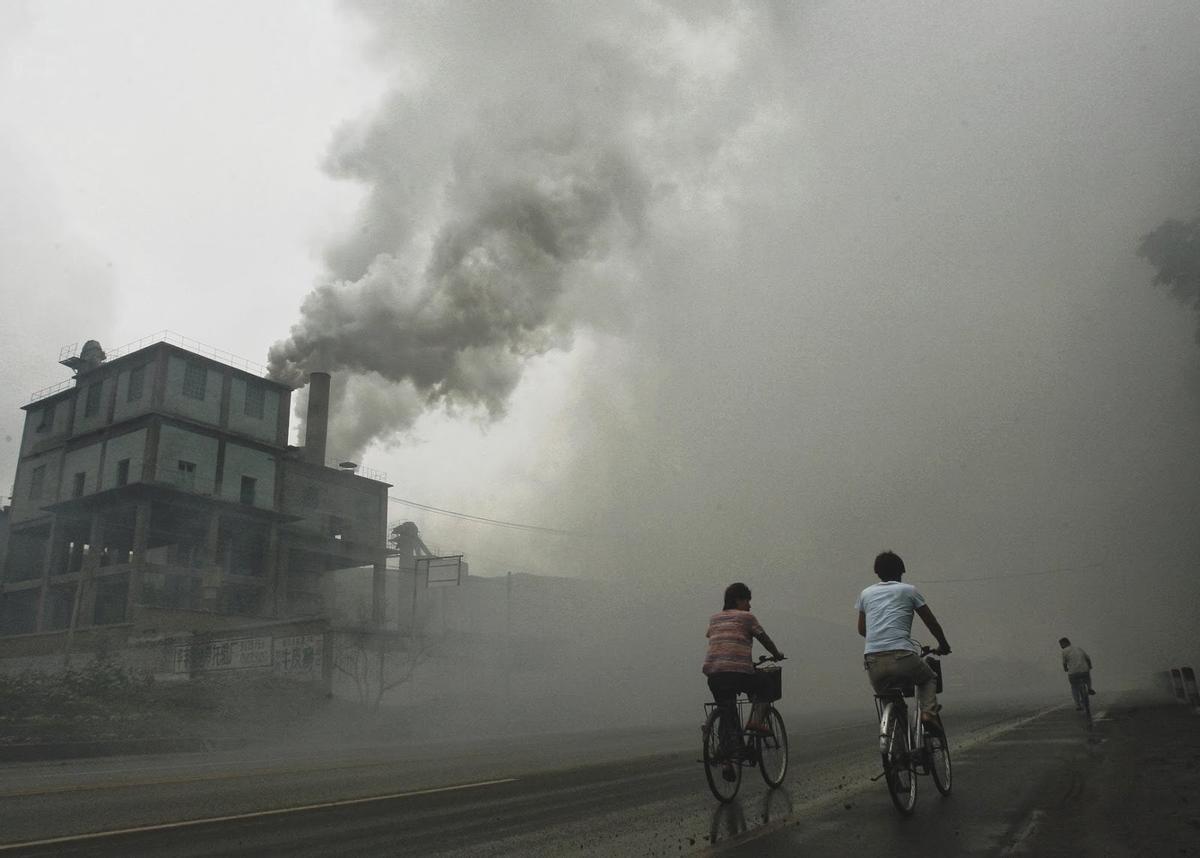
885,615
728,664
1078,666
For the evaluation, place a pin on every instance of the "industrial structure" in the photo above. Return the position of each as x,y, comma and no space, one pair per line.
157,490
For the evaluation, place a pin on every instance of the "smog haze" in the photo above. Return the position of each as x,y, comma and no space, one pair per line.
715,291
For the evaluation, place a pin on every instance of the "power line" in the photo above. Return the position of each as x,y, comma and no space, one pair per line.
534,528
494,522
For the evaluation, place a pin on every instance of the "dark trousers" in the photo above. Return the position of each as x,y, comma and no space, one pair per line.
1081,683
725,688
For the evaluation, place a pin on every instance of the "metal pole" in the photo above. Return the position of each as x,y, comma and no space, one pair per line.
508,646
413,628
82,587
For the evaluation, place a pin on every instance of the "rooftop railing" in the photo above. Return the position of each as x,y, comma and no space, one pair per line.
51,390
371,473
227,358
164,336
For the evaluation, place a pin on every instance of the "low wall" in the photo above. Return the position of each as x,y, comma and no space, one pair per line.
197,643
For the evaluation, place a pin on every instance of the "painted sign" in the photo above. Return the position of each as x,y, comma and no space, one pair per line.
299,655
231,654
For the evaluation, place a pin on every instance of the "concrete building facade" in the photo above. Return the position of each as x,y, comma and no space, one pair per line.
159,486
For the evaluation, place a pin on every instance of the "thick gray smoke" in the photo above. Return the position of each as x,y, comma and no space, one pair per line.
874,277
490,295
486,236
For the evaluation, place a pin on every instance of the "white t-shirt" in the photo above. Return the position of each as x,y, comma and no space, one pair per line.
889,606
1075,660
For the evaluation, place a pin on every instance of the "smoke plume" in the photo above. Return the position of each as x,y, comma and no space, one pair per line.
485,217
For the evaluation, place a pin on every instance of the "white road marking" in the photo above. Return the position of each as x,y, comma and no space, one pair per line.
191,778
1019,841
188,823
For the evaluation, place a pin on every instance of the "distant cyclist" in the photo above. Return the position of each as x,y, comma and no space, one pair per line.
728,663
1078,667
885,615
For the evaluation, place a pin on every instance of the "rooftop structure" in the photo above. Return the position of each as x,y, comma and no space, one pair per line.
158,483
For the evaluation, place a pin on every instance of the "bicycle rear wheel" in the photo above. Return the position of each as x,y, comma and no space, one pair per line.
897,759
939,759
773,750
722,768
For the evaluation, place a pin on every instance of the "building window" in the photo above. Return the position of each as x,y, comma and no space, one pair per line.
137,380
123,472
47,422
255,397
91,404
78,483
195,377
186,475
36,481
248,484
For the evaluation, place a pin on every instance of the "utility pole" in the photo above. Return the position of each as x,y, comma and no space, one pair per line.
508,647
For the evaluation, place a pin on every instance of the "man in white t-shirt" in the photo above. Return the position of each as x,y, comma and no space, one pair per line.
885,615
1078,666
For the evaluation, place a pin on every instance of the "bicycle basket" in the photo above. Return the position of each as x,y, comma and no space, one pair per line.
935,664
770,684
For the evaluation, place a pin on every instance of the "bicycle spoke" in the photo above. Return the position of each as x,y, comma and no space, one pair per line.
722,769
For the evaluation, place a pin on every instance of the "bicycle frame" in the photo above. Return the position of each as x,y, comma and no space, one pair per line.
926,750
740,708
886,708
737,747
741,705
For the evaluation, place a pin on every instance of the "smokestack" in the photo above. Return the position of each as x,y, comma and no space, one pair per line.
317,423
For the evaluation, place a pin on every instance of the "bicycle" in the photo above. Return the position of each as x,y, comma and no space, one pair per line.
1081,687
726,749
908,747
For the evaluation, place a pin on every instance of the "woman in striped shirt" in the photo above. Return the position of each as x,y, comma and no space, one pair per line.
728,664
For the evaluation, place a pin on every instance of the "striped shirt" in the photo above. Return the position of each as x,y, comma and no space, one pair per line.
730,638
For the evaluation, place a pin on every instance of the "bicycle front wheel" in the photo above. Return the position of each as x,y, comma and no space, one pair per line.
939,759
773,750
897,760
722,768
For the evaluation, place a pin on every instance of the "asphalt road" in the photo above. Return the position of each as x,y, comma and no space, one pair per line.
1129,789
633,793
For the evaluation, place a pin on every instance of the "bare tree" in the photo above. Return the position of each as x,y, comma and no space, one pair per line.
375,662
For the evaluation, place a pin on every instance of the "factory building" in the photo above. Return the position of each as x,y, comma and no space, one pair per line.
157,486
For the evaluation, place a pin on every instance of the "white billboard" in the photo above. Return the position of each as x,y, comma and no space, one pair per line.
441,571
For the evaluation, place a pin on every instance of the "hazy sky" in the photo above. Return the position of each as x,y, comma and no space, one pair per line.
744,290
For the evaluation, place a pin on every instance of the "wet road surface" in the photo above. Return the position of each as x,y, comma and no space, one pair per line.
1046,788
634,793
